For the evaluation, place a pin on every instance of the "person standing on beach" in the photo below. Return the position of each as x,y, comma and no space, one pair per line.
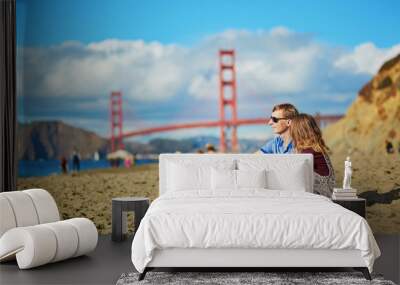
389,147
76,161
280,122
63,164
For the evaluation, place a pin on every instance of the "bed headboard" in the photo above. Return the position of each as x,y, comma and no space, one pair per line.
278,161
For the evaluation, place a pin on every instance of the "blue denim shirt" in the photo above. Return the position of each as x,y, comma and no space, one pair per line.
276,145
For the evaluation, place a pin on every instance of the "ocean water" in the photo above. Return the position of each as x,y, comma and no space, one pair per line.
29,168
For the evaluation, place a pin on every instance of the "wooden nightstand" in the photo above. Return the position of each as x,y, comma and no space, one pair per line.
357,205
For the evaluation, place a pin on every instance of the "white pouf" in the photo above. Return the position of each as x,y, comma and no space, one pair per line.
31,232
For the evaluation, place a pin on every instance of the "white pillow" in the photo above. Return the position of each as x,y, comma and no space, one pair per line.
251,178
223,179
283,173
292,179
188,177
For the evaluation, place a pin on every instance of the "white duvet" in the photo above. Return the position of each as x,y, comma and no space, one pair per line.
250,219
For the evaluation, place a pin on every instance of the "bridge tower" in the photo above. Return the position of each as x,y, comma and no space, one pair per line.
116,121
227,99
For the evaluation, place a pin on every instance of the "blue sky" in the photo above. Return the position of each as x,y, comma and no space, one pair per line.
163,56
186,21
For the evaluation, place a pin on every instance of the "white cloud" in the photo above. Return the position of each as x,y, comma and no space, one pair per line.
280,31
366,58
279,61
144,71
202,87
267,61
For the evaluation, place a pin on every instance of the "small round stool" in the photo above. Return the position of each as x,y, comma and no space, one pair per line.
120,207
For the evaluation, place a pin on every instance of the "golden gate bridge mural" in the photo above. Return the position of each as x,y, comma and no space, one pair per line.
227,105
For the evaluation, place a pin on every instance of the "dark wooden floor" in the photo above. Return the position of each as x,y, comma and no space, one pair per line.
103,266
110,260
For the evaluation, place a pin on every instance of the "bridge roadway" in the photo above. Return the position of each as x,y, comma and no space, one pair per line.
212,124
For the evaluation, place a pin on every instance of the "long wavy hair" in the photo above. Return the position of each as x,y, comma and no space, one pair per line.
305,134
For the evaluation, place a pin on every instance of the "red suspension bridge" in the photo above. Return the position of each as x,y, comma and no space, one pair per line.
227,105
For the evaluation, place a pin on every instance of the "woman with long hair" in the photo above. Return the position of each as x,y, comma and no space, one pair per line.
307,138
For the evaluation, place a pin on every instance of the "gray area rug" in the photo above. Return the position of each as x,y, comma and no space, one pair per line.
225,278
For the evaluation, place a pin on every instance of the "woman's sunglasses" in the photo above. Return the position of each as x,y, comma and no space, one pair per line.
275,119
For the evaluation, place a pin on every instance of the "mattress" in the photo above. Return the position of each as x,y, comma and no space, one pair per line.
250,219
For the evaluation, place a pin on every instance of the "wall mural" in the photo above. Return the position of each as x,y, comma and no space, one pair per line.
163,68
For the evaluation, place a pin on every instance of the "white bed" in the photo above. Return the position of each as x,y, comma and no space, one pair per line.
230,219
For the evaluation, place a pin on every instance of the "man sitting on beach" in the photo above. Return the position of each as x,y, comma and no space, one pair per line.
280,121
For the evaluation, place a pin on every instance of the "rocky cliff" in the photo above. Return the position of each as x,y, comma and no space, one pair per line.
373,120
53,139
370,124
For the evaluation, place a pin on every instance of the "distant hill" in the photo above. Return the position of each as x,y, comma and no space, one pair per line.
54,139
198,143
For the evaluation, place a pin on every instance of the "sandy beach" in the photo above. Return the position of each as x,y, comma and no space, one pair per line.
89,193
